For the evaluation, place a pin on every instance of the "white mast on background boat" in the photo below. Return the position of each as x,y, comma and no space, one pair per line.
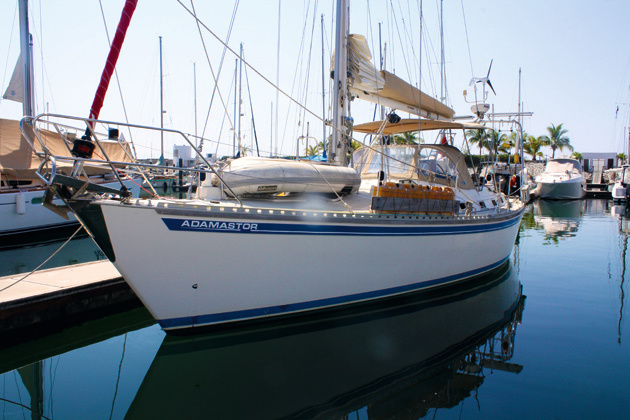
26,46
240,97
324,140
337,148
235,106
161,110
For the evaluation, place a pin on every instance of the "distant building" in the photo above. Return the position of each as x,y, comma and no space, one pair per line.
599,162
185,153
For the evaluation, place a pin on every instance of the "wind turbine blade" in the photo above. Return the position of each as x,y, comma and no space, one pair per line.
490,84
489,68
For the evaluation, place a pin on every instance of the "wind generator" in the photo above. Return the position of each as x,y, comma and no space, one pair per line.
480,107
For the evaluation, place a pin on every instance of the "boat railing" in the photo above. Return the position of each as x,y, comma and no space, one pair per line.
29,127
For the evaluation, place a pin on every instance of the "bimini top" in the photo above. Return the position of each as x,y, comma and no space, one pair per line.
414,124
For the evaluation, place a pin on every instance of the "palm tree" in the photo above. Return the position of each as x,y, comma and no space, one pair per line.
508,142
356,145
479,137
558,139
621,157
405,138
532,145
502,142
312,150
577,156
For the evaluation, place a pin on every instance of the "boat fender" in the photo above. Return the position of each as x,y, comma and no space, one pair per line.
20,204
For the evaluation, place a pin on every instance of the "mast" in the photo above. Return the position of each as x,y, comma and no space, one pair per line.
442,60
240,95
277,79
324,140
161,109
26,46
195,100
381,62
235,110
337,148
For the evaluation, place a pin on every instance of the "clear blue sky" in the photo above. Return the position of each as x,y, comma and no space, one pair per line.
573,56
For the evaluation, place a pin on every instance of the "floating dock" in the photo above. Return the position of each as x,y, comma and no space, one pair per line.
597,191
50,300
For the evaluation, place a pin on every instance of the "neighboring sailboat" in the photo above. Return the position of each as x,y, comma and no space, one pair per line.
562,179
416,221
23,217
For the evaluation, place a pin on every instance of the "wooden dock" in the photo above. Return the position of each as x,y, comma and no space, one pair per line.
49,300
597,190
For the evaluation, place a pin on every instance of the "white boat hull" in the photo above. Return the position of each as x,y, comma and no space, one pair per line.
573,189
619,192
25,220
375,355
213,266
562,179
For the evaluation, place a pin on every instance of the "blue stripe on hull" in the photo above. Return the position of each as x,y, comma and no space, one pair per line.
200,320
205,225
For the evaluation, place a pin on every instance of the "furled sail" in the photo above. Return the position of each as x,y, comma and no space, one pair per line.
385,88
15,90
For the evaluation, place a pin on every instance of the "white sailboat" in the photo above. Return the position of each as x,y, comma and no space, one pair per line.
400,219
23,217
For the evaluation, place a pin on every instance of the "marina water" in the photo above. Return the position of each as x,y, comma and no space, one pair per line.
545,336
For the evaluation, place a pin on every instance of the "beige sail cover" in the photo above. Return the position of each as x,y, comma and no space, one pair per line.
408,125
17,160
383,84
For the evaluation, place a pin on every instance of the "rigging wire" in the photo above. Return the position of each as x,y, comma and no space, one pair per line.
251,108
300,114
122,99
214,90
472,73
6,64
214,75
199,22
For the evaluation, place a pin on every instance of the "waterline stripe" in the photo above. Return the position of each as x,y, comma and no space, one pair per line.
200,320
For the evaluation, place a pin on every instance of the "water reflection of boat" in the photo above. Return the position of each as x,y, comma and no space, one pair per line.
559,218
39,362
426,352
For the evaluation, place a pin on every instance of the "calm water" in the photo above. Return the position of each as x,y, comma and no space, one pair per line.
544,337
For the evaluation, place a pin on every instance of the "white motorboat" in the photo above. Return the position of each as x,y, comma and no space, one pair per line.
562,179
240,253
620,191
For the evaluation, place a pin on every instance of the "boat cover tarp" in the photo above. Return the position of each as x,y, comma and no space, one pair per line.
563,165
18,160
